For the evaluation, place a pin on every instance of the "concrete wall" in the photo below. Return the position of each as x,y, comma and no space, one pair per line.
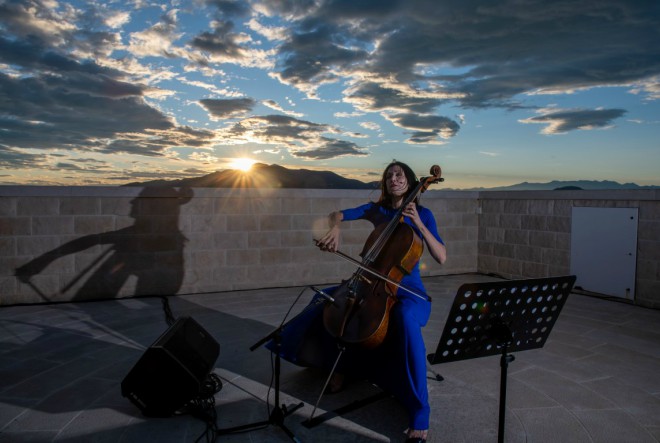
81,243
527,234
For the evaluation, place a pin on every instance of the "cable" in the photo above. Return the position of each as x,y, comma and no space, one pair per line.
169,316
202,407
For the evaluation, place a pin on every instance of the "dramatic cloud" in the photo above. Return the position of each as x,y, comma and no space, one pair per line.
227,108
183,81
562,121
302,138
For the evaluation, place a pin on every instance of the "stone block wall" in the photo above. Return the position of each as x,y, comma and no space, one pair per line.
527,234
82,243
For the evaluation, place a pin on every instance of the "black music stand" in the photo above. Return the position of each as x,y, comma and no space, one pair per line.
501,317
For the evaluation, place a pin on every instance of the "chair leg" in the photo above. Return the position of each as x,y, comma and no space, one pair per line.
436,376
327,381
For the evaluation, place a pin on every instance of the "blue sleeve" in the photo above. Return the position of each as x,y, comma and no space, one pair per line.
429,221
356,213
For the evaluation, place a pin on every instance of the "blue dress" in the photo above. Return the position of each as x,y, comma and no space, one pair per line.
398,364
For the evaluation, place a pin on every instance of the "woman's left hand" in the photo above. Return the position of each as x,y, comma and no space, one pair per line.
411,211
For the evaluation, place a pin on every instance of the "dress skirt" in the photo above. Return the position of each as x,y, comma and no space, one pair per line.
397,365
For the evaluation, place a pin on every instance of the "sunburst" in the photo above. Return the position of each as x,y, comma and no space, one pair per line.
243,164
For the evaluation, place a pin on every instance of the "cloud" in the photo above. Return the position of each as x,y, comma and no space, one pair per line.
302,138
311,58
427,128
158,40
89,77
370,125
272,104
412,56
331,148
562,121
227,108
11,158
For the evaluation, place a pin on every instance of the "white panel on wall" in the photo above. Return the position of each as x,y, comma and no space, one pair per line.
604,250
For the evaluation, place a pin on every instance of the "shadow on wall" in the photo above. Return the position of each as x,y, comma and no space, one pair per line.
151,250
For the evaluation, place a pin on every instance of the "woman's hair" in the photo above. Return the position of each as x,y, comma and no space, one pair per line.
385,197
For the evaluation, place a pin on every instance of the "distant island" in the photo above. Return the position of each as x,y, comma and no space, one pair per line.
275,176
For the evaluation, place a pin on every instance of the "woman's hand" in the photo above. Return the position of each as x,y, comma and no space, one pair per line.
330,241
411,211
437,249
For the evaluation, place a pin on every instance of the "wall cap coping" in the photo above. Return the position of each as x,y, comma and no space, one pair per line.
165,191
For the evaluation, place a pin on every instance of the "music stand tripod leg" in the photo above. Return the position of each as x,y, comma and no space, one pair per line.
280,412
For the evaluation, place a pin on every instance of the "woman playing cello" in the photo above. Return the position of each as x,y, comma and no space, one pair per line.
398,364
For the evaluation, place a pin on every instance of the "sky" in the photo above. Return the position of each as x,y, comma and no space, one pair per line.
495,92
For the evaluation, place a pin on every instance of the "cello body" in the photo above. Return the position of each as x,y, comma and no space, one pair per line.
360,313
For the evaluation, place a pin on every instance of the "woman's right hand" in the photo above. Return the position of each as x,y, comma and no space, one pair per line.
330,241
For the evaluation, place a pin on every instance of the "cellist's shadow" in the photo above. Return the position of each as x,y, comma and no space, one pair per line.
150,251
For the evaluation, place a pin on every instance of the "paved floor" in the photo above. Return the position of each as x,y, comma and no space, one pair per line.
596,379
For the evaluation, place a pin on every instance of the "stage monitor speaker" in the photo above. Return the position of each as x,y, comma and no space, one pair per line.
172,371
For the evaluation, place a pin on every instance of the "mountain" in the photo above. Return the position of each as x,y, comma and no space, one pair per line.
266,176
570,185
275,176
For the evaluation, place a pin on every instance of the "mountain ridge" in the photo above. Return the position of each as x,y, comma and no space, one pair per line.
275,176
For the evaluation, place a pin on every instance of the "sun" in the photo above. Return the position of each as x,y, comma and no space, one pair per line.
243,164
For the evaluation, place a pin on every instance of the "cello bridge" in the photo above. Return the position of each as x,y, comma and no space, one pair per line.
365,279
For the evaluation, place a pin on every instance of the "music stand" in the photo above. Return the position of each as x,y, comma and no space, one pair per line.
500,317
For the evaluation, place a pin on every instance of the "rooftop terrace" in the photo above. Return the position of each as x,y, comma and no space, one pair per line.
595,380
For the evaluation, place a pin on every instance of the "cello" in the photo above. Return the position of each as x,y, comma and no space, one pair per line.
360,311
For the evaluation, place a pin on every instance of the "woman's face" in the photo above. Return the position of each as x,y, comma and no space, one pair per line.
395,181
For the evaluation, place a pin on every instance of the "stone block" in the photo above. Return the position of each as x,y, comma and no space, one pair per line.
516,237
200,206
79,206
270,239
543,239
8,247
275,222
504,250
541,207
516,207
232,205
243,223
314,222
52,225
270,205
35,246
93,224
510,221
15,226
243,257
275,256
230,240
37,206
534,222
529,253
294,206
559,224
8,206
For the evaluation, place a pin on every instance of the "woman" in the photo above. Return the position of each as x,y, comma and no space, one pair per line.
401,358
